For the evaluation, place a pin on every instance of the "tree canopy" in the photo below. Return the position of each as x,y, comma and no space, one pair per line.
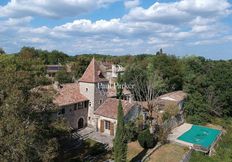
27,131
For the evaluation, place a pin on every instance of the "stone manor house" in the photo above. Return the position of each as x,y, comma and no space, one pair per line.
91,101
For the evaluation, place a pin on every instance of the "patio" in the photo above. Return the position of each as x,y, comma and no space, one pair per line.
91,133
173,137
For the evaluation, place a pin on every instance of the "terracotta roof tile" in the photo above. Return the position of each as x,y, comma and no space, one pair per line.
175,96
93,74
169,98
69,94
109,108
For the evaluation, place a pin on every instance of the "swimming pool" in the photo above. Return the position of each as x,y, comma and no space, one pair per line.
200,135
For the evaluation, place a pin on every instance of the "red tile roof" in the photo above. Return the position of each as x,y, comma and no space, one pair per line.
166,99
93,74
109,108
176,96
69,94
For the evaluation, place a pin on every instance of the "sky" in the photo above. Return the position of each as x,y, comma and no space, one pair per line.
119,27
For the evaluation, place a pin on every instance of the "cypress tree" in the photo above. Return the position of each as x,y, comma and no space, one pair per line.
119,88
120,144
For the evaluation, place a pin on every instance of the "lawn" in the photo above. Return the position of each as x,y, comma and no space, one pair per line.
134,149
168,153
90,150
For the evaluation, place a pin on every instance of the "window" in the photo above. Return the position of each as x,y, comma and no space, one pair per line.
100,102
86,89
75,107
86,104
100,86
107,124
80,105
63,111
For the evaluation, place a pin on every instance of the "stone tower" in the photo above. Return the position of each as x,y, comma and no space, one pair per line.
94,86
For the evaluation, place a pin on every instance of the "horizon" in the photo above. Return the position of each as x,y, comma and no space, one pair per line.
117,27
100,54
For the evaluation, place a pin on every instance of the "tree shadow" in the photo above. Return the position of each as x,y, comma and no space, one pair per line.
139,156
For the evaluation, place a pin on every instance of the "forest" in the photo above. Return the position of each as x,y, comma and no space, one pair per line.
28,134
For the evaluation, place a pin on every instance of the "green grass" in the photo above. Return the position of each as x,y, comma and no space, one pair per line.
133,150
224,148
168,153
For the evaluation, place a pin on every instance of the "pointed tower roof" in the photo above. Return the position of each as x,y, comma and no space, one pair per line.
93,74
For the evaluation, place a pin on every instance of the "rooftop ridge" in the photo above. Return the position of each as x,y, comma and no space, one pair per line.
91,74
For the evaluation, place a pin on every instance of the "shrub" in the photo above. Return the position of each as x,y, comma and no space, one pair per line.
97,149
131,131
146,139
170,110
163,135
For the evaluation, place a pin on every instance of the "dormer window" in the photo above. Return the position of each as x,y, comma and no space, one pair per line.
86,89
99,73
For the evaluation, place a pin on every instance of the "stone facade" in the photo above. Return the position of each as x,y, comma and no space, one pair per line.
74,114
92,91
101,125
96,98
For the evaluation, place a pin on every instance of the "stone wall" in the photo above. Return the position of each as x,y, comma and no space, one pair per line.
186,157
72,115
96,98
174,122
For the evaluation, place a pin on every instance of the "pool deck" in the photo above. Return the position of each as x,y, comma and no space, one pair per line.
173,137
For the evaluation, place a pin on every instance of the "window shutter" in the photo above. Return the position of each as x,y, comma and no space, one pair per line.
102,126
111,129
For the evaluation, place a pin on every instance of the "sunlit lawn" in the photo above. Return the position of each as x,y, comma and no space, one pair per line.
133,150
168,153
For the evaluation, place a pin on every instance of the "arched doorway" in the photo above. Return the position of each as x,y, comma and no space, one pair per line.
80,123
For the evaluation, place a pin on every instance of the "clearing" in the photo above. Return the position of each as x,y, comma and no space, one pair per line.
167,153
